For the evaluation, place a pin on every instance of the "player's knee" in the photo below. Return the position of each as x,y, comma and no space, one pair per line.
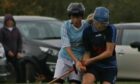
74,82
106,82
59,81
88,79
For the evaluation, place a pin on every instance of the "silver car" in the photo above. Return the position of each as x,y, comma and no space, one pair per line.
3,65
127,51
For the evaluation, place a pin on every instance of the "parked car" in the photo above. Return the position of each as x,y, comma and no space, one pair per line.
3,65
128,50
41,43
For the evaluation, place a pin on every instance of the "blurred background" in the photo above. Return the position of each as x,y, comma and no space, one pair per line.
121,10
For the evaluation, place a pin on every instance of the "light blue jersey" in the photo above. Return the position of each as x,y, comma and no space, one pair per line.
72,37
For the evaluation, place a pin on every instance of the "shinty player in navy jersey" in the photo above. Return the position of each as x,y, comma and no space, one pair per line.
99,42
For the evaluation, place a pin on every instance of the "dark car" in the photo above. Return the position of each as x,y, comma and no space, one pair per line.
41,43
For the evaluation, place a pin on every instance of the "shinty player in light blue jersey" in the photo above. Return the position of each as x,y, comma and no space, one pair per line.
72,49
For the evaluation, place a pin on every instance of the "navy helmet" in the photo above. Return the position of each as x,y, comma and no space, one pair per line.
76,9
101,14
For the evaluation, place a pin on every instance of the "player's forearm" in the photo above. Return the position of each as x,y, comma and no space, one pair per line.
102,56
86,56
106,54
70,53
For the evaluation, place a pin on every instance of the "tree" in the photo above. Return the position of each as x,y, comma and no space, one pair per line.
120,10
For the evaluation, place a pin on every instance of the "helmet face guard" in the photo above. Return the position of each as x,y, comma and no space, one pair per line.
102,20
76,14
102,23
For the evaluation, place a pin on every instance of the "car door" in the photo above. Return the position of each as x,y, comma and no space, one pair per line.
128,58
1,24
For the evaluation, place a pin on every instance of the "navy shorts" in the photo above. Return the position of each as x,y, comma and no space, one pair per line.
103,74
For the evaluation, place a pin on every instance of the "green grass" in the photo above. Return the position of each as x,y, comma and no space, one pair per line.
118,82
123,83
128,83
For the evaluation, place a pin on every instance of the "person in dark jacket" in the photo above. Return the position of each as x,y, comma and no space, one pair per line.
11,39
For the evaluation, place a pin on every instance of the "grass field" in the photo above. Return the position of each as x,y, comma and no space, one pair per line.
67,83
128,83
118,82
123,83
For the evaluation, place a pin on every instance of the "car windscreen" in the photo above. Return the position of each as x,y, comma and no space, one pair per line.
45,29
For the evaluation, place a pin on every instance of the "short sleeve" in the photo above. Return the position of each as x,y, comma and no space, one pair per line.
111,34
64,36
86,40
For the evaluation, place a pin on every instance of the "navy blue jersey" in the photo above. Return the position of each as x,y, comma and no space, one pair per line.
95,42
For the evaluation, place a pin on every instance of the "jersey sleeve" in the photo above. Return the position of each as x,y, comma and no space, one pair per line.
111,34
86,40
64,37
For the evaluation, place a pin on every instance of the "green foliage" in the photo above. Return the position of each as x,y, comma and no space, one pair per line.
121,10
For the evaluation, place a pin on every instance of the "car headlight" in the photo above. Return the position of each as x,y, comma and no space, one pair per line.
1,51
50,51
44,49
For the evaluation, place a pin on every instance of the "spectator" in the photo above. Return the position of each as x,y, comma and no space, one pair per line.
11,39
